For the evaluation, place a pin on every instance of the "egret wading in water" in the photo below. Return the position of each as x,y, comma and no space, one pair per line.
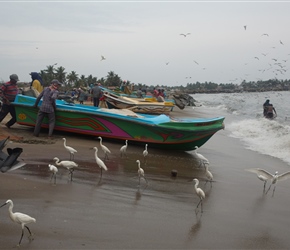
100,163
141,173
69,165
208,174
199,193
71,150
54,170
201,158
21,219
145,153
104,148
274,178
123,149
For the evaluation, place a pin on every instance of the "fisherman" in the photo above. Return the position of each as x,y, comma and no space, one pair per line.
268,110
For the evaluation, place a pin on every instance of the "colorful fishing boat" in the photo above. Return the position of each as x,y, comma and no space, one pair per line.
138,105
160,131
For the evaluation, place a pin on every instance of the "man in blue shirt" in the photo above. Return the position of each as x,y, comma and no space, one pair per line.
47,107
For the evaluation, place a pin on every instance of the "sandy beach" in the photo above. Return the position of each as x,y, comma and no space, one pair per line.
114,213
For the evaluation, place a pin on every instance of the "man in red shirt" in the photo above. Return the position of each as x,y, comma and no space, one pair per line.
8,91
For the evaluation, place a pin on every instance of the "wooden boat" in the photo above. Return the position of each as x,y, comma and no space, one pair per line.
160,131
138,105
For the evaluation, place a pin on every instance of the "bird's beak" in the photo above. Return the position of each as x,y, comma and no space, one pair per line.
3,205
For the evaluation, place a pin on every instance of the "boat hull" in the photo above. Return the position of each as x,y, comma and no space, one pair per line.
158,131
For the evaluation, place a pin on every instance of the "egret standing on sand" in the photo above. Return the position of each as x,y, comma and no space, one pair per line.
123,149
202,159
69,165
141,173
199,193
100,163
104,148
265,175
145,152
54,170
20,218
208,174
71,150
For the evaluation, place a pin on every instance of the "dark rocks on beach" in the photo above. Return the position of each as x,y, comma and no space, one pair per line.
183,100
173,172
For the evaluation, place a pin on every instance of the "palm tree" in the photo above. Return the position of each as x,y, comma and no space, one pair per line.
72,78
61,75
113,79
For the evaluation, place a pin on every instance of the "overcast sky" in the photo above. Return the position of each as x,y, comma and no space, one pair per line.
141,41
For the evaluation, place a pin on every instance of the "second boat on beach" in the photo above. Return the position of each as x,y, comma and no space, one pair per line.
160,131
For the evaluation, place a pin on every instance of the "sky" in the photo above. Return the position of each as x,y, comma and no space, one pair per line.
229,41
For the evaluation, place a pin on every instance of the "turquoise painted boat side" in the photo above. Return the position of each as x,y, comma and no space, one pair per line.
159,131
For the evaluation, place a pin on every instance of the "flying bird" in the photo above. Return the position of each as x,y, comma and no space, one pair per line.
196,62
71,150
103,58
99,162
141,173
69,165
264,34
167,63
281,42
104,148
245,27
264,175
185,35
199,193
54,170
257,58
123,149
21,219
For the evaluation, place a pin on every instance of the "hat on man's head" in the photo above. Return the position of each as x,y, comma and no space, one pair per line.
14,77
55,82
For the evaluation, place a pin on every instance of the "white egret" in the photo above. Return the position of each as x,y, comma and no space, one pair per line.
100,163
141,173
208,174
104,148
71,150
201,158
199,193
69,165
264,175
21,219
54,170
123,149
145,152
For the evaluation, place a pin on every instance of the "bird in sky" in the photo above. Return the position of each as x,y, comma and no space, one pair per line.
264,175
265,34
200,193
167,63
256,58
104,148
21,219
141,173
71,150
103,58
99,162
245,27
281,42
196,62
54,170
69,165
123,149
185,35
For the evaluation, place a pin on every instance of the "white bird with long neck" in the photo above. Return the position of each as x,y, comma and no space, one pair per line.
69,165
71,150
54,170
141,173
21,219
200,157
145,152
208,174
104,148
264,175
200,193
100,163
123,149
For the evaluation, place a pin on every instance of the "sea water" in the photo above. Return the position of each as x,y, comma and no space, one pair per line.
245,121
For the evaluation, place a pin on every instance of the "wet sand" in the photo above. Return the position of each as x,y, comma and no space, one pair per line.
114,213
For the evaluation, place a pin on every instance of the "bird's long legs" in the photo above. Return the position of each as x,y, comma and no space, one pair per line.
30,234
53,175
200,202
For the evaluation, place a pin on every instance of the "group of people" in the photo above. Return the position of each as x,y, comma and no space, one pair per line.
268,110
9,90
159,94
